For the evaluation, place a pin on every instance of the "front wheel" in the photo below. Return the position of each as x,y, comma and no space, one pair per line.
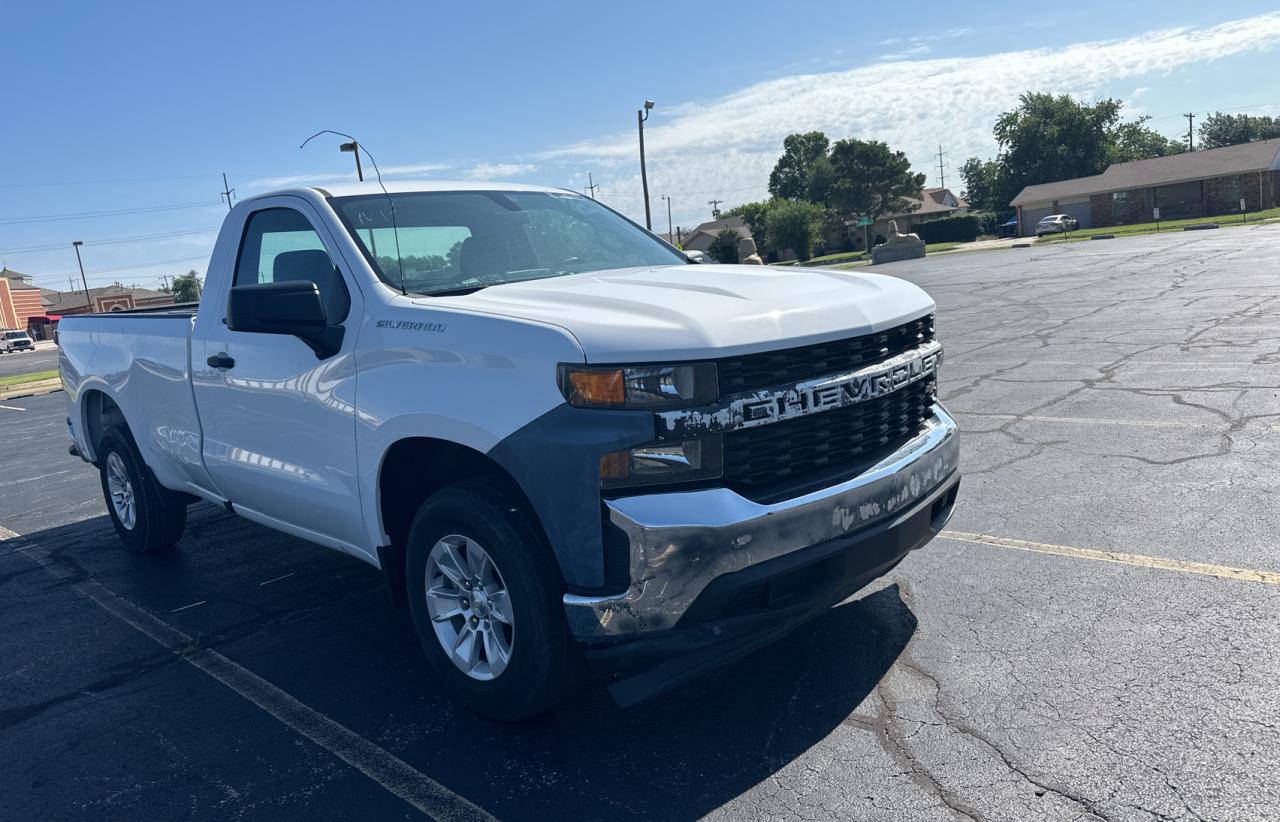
487,602
147,516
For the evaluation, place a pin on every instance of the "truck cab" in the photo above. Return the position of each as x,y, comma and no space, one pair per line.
558,439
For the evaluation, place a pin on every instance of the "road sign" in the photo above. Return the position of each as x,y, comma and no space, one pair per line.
1155,212
864,221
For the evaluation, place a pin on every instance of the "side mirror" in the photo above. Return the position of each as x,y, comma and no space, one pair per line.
696,256
292,307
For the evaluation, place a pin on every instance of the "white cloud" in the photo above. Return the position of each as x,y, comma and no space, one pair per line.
725,147
493,171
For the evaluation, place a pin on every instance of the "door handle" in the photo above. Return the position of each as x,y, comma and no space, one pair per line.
221,360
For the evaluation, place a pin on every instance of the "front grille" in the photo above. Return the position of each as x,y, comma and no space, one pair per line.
793,456
771,369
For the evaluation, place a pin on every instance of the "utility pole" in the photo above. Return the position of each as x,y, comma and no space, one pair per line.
641,116
591,186
715,208
164,278
88,303
1191,144
942,177
670,235
227,190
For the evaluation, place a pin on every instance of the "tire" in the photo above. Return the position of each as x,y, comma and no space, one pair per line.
158,516
542,662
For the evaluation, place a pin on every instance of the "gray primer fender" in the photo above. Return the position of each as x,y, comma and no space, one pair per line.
556,460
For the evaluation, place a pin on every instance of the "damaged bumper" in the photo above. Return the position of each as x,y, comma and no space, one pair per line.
685,545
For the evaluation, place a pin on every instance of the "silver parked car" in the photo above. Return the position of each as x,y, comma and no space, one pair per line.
1056,224
11,341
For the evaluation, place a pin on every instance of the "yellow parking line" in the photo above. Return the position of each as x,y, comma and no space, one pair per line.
1140,560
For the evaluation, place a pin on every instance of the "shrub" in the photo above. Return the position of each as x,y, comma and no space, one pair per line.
948,230
724,248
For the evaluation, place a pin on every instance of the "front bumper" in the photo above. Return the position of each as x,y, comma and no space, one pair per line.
681,542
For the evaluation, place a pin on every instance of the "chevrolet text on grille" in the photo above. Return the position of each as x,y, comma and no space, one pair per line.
808,397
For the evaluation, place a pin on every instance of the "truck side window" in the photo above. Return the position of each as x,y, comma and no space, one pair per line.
279,244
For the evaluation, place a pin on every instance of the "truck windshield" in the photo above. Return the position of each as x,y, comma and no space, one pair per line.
459,241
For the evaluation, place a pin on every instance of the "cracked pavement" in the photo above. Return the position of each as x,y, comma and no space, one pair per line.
1118,395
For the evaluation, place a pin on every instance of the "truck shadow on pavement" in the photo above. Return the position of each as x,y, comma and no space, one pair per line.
325,634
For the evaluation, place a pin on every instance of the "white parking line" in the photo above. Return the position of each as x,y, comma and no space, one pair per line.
389,771
12,408
185,607
277,579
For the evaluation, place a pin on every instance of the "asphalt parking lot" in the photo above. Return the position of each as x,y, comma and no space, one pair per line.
1097,636
28,362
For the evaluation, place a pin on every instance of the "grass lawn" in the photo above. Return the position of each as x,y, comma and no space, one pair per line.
18,379
1224,220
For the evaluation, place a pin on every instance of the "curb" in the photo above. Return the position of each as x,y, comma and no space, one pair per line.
31,389
1199,227
1102,236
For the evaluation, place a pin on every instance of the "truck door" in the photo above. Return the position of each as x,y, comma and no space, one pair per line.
279,421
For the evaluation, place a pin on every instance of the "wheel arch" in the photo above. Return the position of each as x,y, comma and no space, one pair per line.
414,468
98,412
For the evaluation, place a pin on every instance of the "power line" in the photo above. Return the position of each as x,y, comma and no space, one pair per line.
84,215
36,249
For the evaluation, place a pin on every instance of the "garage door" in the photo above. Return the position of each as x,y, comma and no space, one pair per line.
1031,216
1077,207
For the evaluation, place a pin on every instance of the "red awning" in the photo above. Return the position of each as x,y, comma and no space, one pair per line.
45,318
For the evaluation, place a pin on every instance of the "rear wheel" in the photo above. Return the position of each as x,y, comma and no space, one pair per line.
487,602
147,516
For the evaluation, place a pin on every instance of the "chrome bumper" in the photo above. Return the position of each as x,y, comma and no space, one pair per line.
681,541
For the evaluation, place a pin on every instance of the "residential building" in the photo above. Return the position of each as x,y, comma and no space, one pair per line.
932,204
1193,184
700,238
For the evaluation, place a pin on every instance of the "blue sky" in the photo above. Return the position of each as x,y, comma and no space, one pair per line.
109,110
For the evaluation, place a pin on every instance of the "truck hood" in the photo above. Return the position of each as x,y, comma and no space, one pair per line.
703,311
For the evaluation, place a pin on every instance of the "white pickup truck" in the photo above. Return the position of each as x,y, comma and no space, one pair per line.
559,439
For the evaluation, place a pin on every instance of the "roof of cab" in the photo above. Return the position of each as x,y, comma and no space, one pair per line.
408,186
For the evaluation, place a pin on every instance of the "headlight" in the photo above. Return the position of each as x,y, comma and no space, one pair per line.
641,386
663,463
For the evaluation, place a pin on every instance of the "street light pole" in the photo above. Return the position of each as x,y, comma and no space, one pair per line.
670,235
88,304
354,148
641,116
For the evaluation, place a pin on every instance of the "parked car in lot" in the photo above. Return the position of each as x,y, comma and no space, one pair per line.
558,439
1056,224
11,341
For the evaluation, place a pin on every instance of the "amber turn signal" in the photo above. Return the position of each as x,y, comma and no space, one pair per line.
592,387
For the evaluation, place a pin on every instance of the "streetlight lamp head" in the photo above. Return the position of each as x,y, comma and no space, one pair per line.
347,146
77,242
648,104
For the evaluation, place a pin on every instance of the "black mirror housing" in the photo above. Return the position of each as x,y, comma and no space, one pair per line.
292,307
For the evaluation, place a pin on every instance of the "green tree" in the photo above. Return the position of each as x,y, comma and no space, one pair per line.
1134,141
984,185
795,225
870,179
1219,129
754,215
724,248
1048,138
790,177
186,288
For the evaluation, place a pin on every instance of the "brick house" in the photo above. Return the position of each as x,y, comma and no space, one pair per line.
1192,184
